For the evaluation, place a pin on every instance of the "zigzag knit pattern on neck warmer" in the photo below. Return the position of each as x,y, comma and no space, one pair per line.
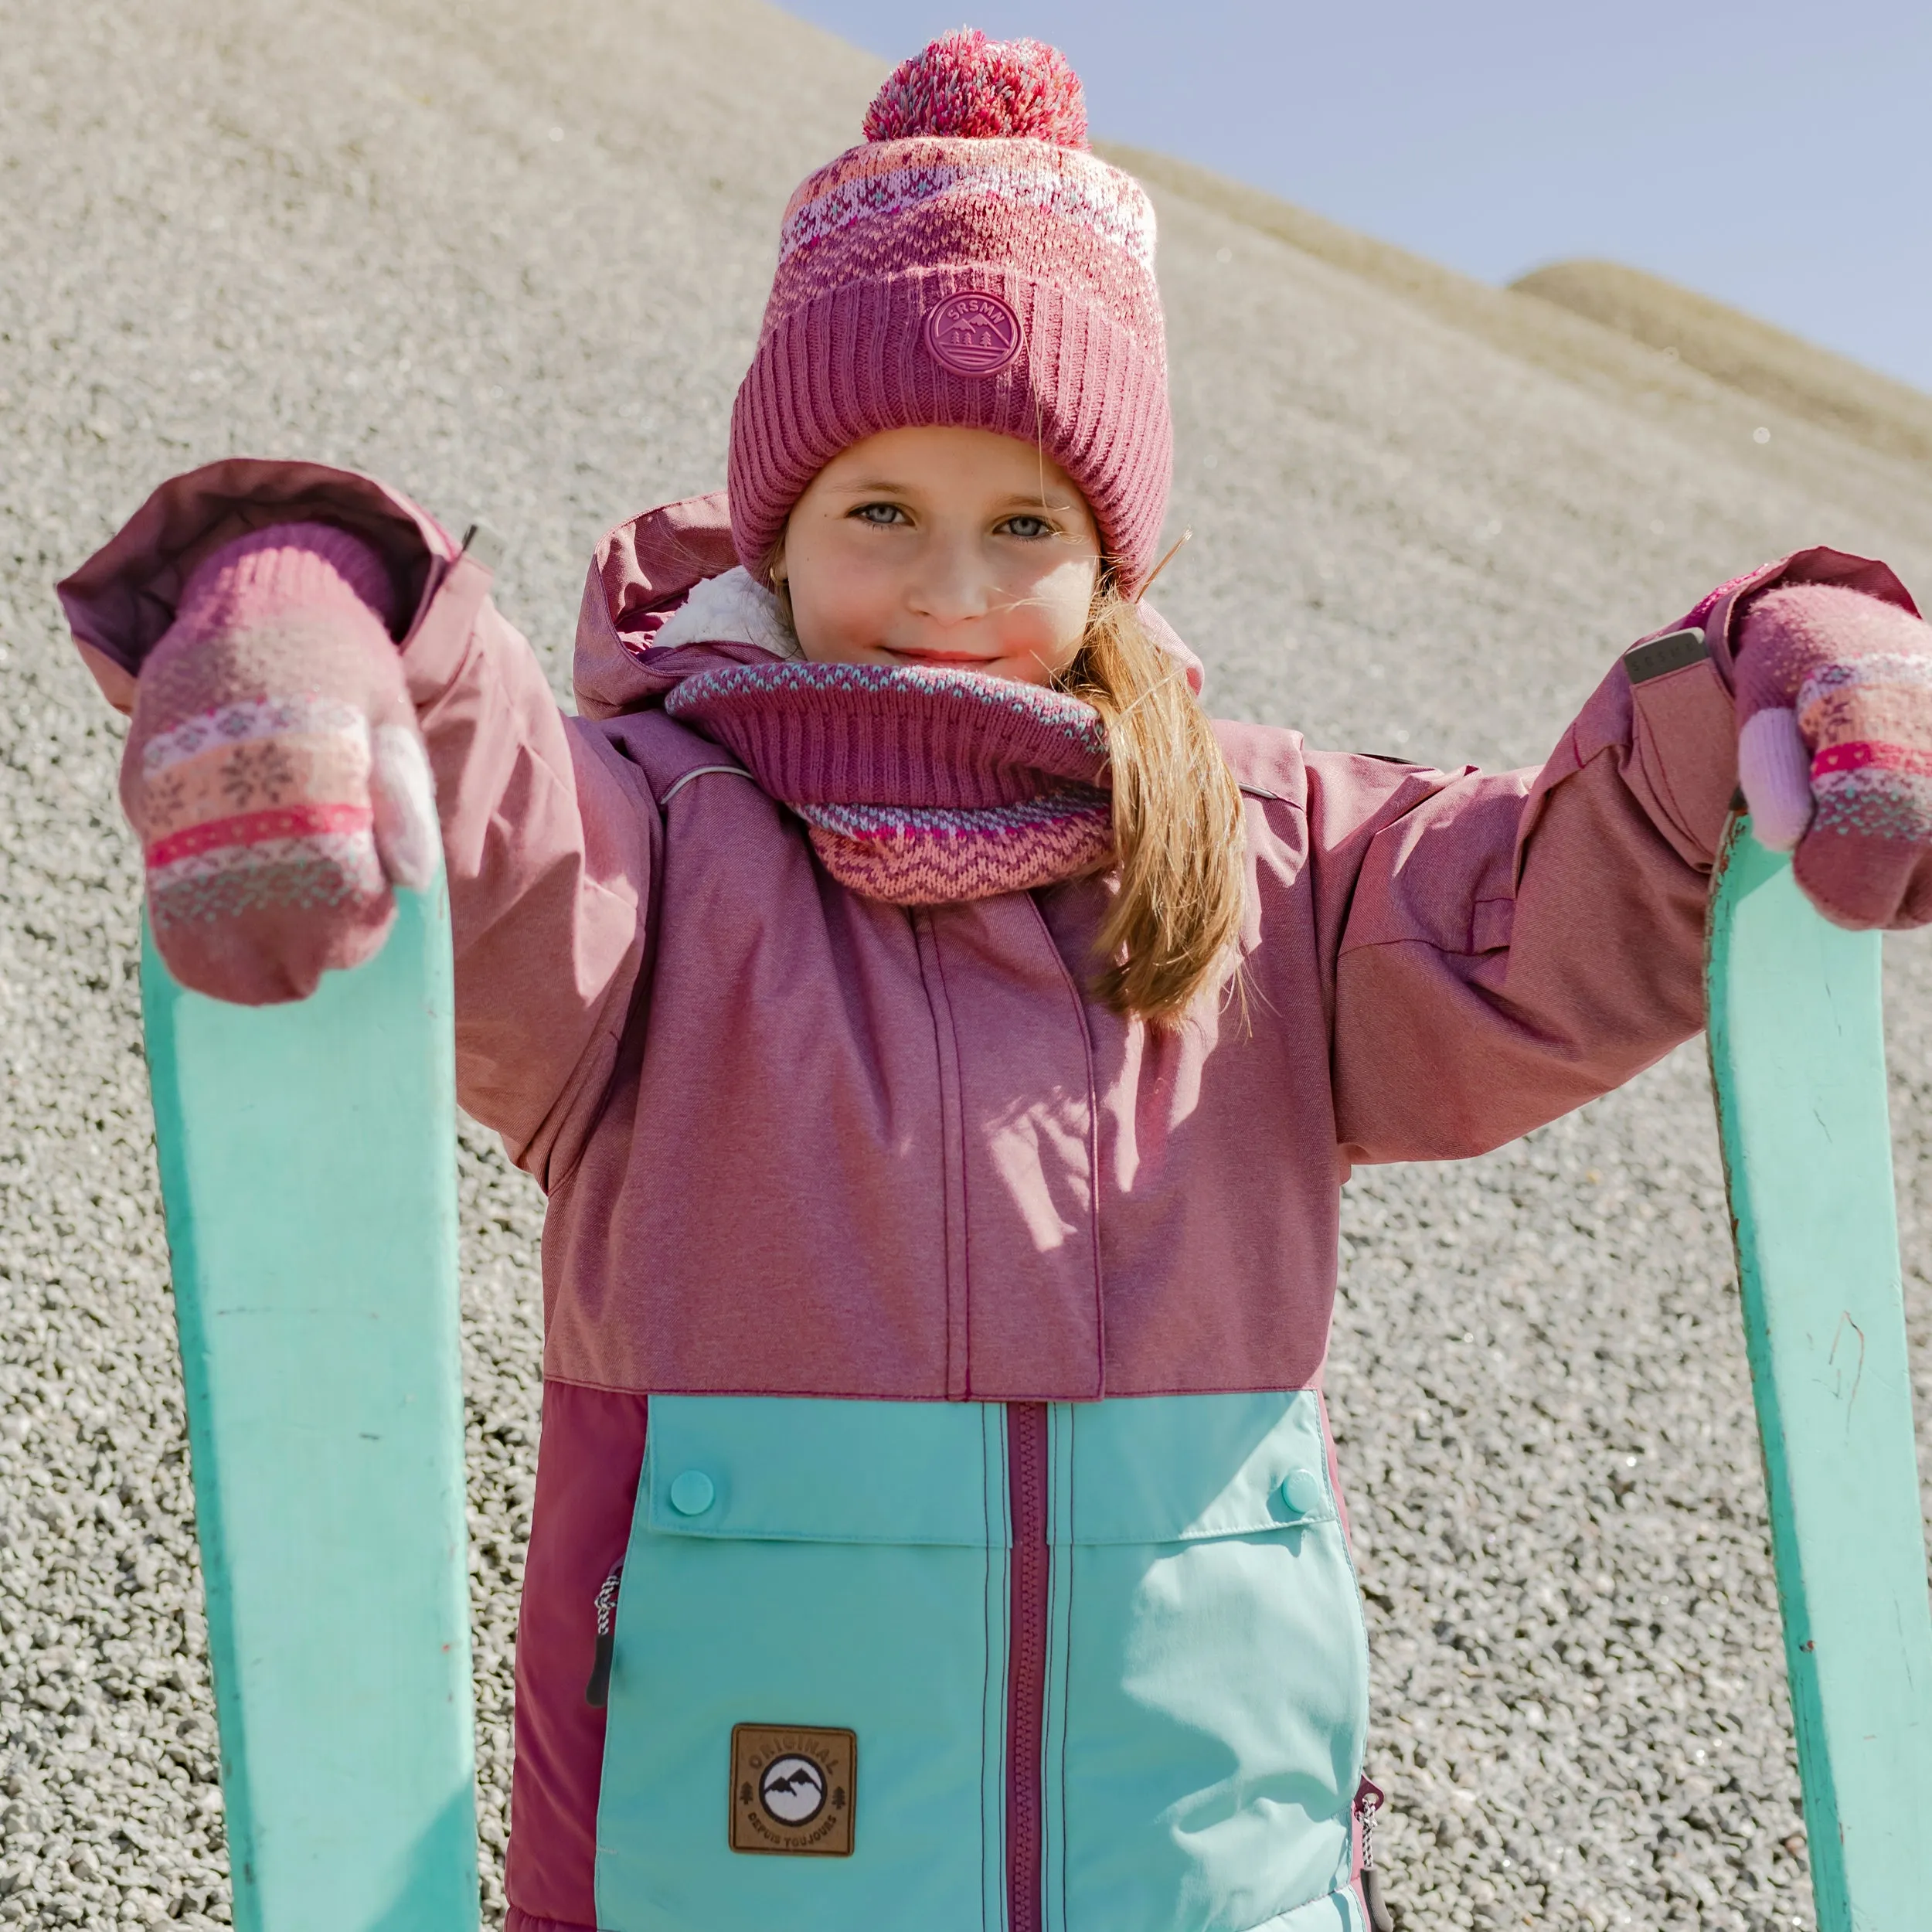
918,787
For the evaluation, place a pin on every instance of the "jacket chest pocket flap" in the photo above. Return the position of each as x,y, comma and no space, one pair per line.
777,1469
1179,1469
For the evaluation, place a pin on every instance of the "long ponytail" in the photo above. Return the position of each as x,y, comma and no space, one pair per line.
1170,933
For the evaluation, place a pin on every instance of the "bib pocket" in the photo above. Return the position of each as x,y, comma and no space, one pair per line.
1207,1691
826,1580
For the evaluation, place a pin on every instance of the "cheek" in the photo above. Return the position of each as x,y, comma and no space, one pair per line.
837,610
1055,613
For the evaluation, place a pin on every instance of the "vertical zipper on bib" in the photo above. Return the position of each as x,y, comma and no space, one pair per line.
597,1692
1027,1674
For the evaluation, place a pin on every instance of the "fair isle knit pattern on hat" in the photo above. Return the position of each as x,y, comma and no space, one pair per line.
975,182
917,787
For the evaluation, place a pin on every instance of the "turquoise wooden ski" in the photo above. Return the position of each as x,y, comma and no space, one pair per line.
1797,1055
307,1172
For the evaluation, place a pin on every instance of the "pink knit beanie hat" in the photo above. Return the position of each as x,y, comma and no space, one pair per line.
972,265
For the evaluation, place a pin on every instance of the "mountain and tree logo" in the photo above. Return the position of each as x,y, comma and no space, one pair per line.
793,1790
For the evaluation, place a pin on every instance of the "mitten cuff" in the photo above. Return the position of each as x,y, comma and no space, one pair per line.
306,566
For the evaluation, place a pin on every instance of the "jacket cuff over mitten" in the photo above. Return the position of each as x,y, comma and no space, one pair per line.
1668,713
273,770
122,602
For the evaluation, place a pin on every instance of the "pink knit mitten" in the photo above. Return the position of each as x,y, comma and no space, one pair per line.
1834,748
274,773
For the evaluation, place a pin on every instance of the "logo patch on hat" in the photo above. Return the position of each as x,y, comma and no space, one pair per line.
793,1791
972,334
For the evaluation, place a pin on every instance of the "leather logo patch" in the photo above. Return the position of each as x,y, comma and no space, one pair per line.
972,334
793,1791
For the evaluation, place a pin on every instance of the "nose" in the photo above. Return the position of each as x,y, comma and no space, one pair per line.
954,585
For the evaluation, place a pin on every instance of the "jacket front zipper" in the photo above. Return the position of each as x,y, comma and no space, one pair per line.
1027,1674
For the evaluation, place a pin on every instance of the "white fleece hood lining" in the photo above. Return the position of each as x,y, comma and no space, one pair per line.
731,609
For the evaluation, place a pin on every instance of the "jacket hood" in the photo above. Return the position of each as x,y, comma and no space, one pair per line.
642,573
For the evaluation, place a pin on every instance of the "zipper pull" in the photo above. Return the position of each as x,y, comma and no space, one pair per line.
1369,1799
597,1692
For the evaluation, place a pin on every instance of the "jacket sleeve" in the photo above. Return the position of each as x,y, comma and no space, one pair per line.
1507,946
549,835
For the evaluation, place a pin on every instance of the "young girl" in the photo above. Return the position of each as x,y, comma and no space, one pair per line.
942,1048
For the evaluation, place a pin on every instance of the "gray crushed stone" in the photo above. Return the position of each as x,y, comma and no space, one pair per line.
512,258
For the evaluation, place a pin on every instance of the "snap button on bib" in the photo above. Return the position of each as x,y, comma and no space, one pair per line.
1302,1491
692,1493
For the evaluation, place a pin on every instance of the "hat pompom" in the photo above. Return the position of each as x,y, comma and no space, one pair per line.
964,85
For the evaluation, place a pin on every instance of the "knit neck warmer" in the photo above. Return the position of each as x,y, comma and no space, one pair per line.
917,787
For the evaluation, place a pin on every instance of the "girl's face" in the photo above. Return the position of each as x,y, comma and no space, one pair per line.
942,547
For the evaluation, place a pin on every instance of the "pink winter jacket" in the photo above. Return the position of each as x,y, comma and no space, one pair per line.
798,1142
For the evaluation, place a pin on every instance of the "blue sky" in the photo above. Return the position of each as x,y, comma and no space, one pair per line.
1777,156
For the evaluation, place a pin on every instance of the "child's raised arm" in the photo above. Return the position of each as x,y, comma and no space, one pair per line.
1507,946
280,634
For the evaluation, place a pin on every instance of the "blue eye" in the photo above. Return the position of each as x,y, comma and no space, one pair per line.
1028,526
883,514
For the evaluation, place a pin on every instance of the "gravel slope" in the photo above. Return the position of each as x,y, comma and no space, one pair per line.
515,263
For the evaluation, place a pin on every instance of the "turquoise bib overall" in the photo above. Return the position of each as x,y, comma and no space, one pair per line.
803,1569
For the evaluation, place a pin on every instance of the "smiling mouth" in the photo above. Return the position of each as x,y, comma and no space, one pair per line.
967,660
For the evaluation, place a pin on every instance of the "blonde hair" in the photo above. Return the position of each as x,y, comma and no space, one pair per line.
1179,843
